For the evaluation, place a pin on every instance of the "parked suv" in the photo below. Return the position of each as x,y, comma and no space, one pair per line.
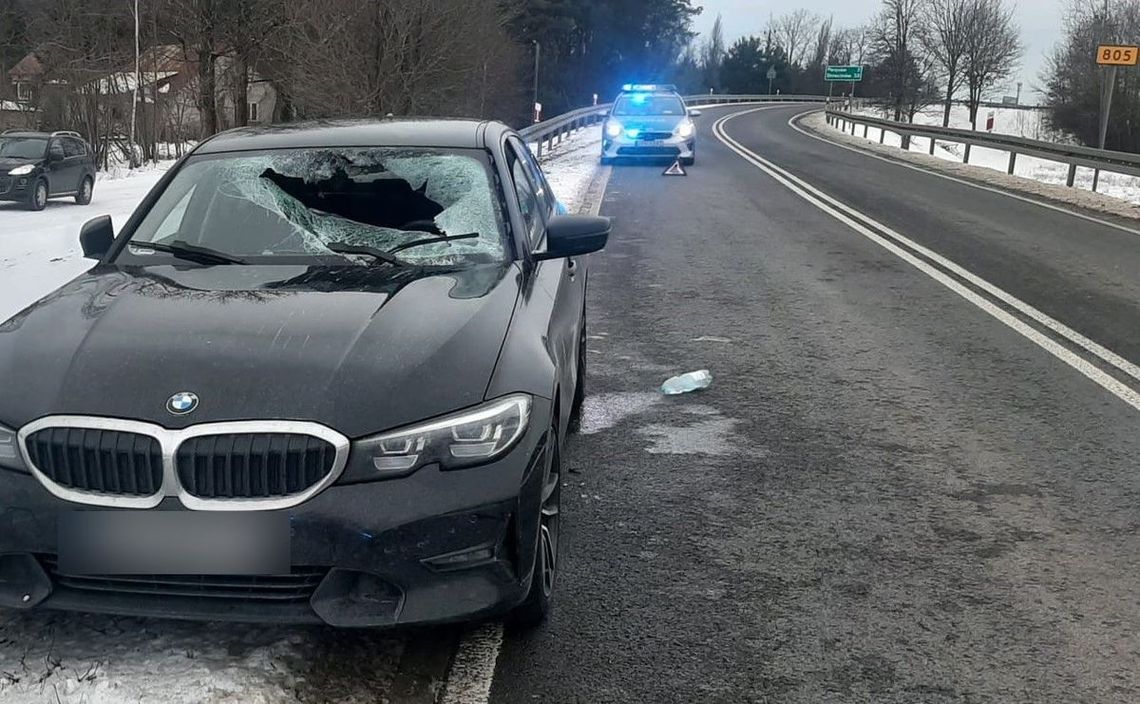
35,166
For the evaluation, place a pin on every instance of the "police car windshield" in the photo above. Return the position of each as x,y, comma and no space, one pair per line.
22,147
649,105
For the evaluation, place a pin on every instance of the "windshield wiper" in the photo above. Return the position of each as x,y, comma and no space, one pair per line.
346,248
434,240
191,252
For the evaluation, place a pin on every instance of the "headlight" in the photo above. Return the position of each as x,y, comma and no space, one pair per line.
22,170
613,128
10,457
463,439
685,129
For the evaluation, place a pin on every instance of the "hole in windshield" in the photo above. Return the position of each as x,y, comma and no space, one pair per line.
306,203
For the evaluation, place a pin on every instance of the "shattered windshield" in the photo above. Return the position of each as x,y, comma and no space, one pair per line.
308,202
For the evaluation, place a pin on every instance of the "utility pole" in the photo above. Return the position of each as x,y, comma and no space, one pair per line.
537,53
134,93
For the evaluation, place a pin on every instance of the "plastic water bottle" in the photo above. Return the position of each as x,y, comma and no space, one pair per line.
685,383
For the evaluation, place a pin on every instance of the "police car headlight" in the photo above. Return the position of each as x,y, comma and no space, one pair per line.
22,170
613,128
686,129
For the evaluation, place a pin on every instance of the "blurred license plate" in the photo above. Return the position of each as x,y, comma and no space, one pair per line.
173,543
651,143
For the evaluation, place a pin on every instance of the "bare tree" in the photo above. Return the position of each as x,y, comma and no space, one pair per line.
822,48
948,24
712,55
793,31
896,38
992,50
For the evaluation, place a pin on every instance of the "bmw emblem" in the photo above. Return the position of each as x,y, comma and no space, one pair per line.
182,403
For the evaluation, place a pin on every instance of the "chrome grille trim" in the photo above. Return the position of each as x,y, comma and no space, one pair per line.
170,441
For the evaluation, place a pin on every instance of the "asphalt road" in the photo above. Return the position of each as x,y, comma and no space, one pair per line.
887,495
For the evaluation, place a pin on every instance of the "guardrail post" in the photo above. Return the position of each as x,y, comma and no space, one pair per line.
865,128
906,142
539,147
882,135
966,157
1072,175
933,143
1096,179
1012,162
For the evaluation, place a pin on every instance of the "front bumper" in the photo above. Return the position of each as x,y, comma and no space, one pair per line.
15,187
432,547
626,147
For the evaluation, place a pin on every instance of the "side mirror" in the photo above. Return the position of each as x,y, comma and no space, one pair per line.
693,112
574,235
96,237
54,156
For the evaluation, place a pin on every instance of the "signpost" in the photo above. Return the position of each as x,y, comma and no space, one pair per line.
1112,56
842,73
771,77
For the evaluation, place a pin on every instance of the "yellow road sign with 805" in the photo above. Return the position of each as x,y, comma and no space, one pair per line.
1112,55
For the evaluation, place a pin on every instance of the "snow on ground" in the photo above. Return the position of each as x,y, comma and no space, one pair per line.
66,658
1114,185
572,165
40,251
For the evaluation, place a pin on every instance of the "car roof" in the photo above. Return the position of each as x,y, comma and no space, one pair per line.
25,133
403,132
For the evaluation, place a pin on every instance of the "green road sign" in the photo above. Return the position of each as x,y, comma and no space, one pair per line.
843,73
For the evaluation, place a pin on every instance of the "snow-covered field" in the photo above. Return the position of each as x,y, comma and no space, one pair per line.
1023,123
67,658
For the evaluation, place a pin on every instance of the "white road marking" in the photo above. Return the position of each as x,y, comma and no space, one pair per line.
473,670
844,214
955,179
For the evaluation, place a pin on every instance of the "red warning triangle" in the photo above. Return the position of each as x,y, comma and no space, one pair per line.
675,170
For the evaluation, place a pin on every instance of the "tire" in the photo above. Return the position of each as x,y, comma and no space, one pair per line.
607,161
37,199
688,161
86,189
580,390
535,609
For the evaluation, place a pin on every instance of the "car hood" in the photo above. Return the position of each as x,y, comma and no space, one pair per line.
653,123
8,163
360,349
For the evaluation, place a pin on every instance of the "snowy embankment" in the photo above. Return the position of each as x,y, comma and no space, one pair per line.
1026,123
76,658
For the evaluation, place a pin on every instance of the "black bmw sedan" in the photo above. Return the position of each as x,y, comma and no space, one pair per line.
323,374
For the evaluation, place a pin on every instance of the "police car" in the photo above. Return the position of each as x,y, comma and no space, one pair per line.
649,122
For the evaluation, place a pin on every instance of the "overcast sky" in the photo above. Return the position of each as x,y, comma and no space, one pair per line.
1040,22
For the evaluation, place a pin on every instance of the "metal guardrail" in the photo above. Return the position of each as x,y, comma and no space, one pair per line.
552,131
1071,154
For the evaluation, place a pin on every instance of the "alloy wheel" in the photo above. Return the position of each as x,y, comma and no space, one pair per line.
550,520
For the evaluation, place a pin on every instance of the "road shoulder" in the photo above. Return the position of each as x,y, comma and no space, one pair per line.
1084,202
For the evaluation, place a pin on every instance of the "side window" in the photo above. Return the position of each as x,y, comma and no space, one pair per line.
528,202
534,171
73,147
55,147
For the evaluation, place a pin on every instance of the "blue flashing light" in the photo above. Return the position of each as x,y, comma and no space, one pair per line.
648,87
639,98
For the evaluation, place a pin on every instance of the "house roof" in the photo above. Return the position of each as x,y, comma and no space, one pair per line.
28,67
